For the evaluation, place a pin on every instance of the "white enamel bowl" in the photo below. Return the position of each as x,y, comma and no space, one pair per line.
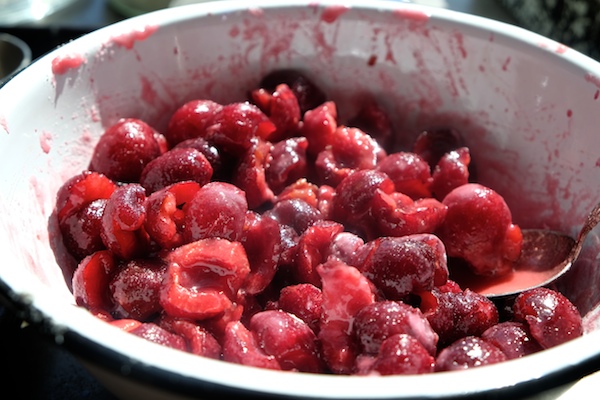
528,108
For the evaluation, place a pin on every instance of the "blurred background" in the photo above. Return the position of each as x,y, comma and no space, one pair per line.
45,24
39,369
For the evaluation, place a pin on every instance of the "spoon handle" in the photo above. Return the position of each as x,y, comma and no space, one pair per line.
592,220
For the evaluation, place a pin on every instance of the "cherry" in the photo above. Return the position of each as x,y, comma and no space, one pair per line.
295,213
203,278
91,279
250,173
282,108
81,230
433,144
288,163
373,119
306,92
212,154
350,150
451,171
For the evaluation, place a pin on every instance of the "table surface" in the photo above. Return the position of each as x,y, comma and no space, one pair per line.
36,367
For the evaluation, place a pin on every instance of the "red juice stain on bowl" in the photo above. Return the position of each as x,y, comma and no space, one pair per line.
62,64
589,77
4,123
332,13
46,141
410,14
128,39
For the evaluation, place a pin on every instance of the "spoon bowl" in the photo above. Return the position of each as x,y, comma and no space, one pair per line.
545,256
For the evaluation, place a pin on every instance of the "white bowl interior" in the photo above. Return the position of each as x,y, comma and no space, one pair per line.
526,106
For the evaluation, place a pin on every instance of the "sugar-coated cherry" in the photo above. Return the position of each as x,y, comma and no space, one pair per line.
458,314
402,354
339,348
468,352
396,214
176,165
165,213
80,190
236,124
350,150
409,172
197,338
154,333
305,301
135,289
241,346
262,241
319,126
478,228
296,213
376,322
399,266
124,149
123,221
513,338
353,196
212,154
191,120
218,209
287,163
289,339
313,247
551,318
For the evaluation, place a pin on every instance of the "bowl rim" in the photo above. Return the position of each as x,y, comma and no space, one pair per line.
87,337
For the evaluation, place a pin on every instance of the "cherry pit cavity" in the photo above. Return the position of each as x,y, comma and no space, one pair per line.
269,233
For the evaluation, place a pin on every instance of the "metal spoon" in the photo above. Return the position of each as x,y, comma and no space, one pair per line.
545,256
